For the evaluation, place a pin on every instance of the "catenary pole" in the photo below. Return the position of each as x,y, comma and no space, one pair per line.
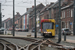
35,18
13,17
0,16
74,20
59,35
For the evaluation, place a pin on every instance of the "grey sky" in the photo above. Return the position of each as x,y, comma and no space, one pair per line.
20,6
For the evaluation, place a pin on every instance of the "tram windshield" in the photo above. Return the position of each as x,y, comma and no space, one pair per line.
47,25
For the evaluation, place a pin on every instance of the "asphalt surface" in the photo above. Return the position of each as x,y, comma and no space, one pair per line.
24,34
27,33
39,35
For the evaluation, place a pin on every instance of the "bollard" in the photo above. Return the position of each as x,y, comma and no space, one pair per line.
64,36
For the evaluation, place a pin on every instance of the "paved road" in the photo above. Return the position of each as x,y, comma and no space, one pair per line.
26,33
39,35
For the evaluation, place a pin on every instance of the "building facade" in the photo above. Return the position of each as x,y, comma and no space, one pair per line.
32,15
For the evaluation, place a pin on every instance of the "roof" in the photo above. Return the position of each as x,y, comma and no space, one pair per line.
38,8
45,8
67,6
53,5
6,19
29,10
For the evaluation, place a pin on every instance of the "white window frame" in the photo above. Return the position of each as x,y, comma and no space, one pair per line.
67,13
63,14
71,12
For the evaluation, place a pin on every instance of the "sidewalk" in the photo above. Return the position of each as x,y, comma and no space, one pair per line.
69,38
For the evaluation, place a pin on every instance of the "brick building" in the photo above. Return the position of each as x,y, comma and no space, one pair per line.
18,20
7,24
44,13
67,14
32,16
25,19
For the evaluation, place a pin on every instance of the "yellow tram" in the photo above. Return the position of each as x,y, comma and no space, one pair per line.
48,27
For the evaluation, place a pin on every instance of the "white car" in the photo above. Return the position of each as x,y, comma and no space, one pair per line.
3,31
66,31
39,31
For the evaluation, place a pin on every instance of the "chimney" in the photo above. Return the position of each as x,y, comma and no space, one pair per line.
18,13
27,9
52,3
65,0
32,6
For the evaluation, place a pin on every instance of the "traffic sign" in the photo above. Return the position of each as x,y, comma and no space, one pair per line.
70,23
57,25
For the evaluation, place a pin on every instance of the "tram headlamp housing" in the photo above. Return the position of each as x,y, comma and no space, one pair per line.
47,32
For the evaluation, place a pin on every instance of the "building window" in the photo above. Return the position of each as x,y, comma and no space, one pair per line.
71,12
67,13
63,14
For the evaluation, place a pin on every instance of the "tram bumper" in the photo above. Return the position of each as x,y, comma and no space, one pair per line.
47,34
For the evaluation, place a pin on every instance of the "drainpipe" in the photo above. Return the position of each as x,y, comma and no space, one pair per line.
50,13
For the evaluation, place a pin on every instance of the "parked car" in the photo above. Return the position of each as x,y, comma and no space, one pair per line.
26,30
3,31
39,31
66,31
33,30
19,29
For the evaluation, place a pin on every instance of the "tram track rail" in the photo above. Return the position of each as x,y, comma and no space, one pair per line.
39,44
8,45
23,38
35,45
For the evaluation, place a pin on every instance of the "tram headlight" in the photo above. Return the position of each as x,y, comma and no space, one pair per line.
47,32
44,32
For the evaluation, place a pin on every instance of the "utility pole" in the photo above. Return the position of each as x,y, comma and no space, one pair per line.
74,20
0,17
13,18
59,35
35,18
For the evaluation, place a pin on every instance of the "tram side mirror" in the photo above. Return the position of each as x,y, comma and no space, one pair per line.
53,25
